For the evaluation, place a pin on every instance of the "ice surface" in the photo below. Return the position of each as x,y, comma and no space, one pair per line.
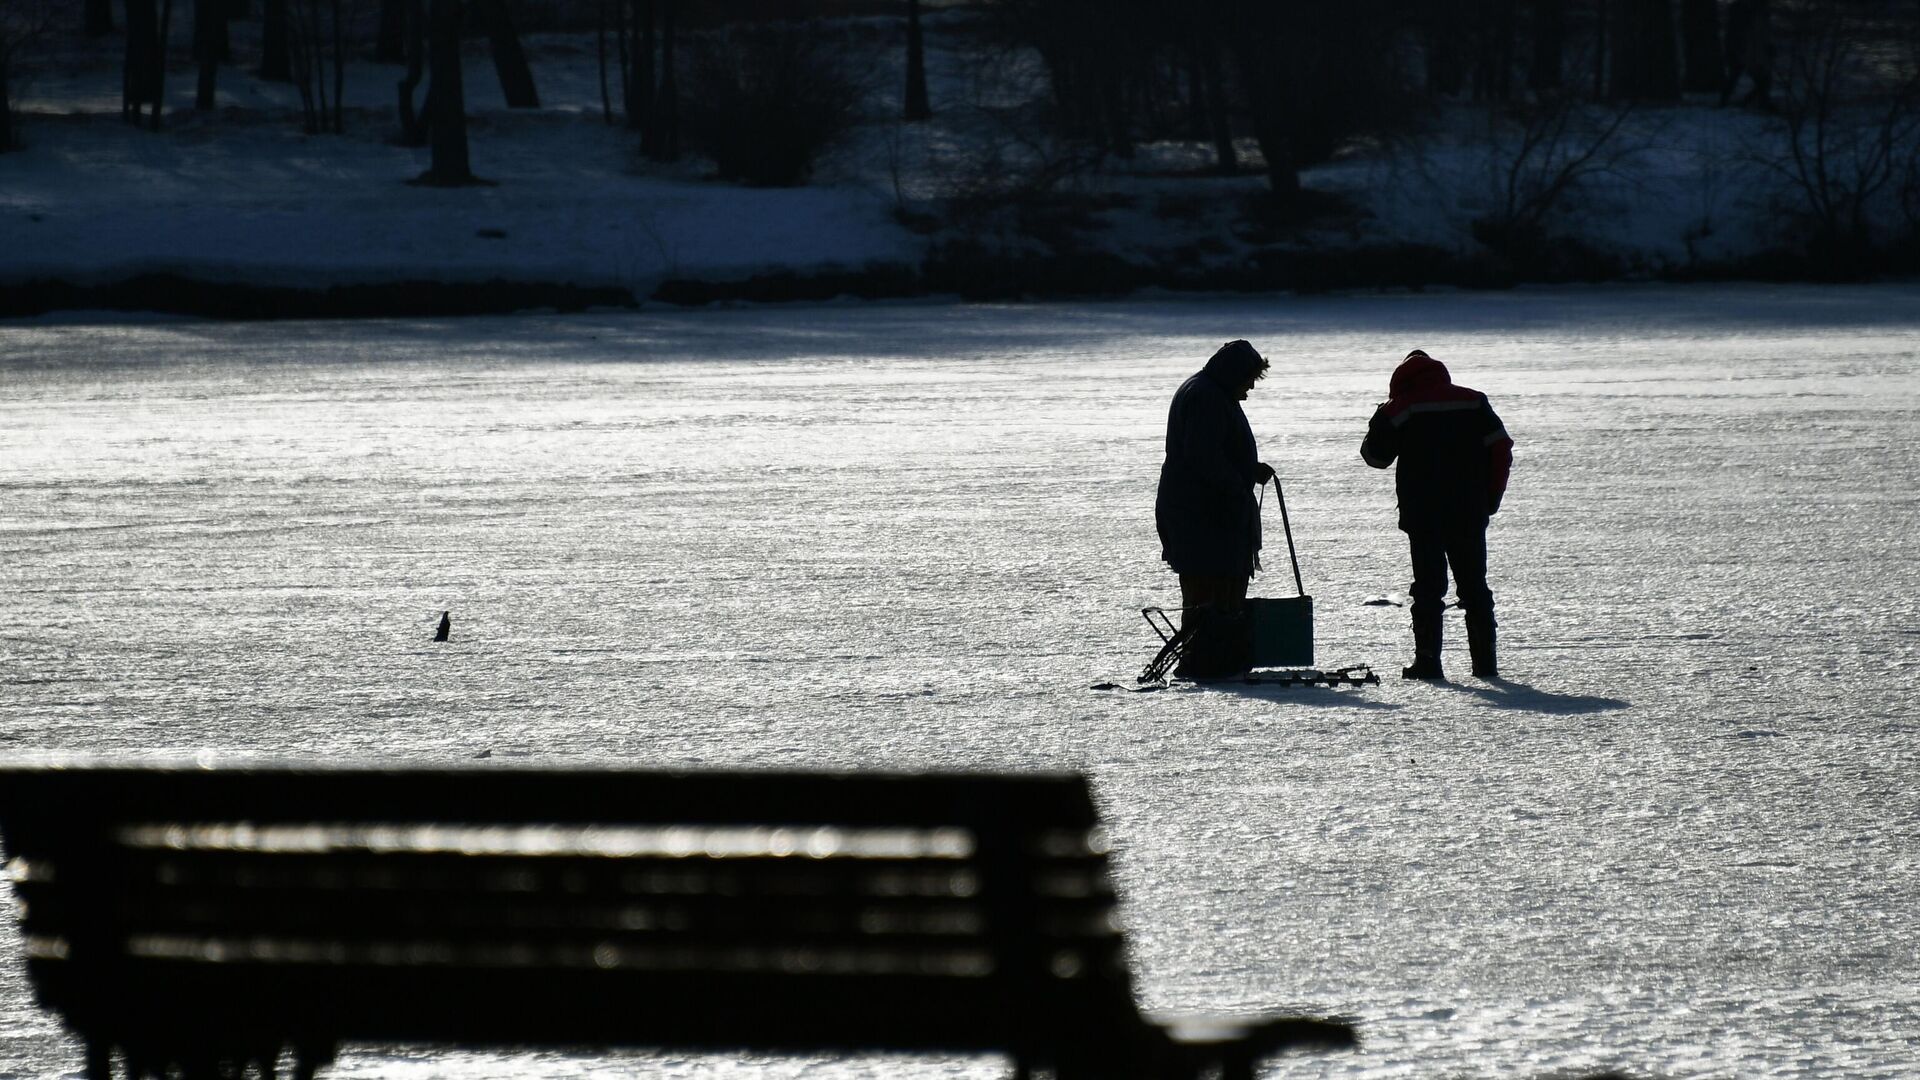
1680,841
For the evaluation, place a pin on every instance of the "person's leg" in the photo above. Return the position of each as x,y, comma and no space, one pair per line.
1237,627
1197,606
1467,552
1429,592
1197,592
1212,608
1234,591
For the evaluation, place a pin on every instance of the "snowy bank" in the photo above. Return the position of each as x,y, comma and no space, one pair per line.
235,212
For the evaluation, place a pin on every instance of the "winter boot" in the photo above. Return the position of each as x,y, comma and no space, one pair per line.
1480,642
1424,667
1426,645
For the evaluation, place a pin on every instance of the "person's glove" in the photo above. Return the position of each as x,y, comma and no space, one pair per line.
1262,472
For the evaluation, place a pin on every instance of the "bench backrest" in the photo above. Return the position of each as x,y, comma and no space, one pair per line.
172,910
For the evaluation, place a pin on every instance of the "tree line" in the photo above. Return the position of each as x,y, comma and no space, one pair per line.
762,86
762,71
1303,77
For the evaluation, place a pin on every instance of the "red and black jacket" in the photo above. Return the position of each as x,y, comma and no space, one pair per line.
1453,451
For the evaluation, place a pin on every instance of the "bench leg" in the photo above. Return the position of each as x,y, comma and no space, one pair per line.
99,1060
308,1060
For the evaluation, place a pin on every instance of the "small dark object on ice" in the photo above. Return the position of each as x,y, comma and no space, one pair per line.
1146,689
484,754
1382,601
446,626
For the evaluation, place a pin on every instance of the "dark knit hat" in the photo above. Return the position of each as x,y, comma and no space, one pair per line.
1236,362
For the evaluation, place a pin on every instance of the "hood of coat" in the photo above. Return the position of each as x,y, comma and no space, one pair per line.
1234,364
1417,373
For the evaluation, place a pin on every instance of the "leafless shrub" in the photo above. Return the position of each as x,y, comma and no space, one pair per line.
1850,122
1538,154
318,37
22,24
766,101
1010,142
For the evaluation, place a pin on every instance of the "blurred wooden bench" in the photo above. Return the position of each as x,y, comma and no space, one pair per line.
201,922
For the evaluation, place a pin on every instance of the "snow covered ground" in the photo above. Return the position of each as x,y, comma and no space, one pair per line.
1680,841
241,195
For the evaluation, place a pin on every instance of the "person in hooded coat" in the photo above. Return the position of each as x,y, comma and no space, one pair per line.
1205,510
1454,457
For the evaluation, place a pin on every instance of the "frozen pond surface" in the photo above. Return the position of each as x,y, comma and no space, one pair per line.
1681,840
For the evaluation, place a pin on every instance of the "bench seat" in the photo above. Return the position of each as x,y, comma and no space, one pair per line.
202,920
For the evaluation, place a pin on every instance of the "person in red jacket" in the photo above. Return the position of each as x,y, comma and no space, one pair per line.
1454,457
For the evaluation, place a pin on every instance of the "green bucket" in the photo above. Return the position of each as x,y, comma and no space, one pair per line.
1282,631
1282,627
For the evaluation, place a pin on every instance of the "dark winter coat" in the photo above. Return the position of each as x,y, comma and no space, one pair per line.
1206,512
1453,451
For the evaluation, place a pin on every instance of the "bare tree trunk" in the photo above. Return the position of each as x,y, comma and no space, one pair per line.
642,89
300,48
1549,44
509,59
1601,20
446,102
1272,127
413,36
623,52
313,43
1700,31
1219,121
1444,33
1749,51
160,64
275,64
1645,56
142,65
99,18
1283,176
1114,125
7,136
206,50
662,139
1196,84
339,70
917,106
390,41
1504,48
600,51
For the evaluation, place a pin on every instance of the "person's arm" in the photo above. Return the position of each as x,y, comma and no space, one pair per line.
1204,438
1499,455
1382,443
